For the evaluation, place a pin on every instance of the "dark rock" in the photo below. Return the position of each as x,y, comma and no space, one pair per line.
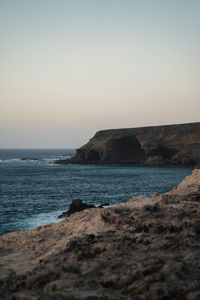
102,205
78,205
30,158
62,161
156,145
75,206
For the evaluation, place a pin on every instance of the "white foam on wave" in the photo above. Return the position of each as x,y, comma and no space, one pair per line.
50,159
36,161
19,160
41,219
12,160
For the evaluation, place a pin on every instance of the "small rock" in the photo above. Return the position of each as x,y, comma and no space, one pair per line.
30,158
102,205
75,206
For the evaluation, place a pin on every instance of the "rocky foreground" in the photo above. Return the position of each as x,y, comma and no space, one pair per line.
157,145
146,248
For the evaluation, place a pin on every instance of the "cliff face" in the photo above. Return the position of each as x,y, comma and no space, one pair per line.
157,145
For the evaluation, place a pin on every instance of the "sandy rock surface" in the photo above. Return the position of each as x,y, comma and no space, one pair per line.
146,248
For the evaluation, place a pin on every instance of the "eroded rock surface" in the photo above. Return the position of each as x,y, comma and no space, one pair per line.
145,248
157,145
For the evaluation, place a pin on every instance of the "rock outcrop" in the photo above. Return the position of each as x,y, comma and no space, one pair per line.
78,205
75,206
157,145
30,158
145,248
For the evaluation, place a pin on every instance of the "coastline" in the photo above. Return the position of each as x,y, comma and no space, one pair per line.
157,145
145,248
38,200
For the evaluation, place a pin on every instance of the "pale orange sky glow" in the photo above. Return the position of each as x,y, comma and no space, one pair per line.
70,68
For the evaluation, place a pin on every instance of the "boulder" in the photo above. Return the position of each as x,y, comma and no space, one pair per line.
76,205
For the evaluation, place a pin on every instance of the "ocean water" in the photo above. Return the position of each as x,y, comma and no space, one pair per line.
34,192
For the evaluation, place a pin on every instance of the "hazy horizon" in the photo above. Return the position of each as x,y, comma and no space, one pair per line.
71,68
45,148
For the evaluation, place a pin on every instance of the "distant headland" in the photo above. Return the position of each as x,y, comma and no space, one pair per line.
156,145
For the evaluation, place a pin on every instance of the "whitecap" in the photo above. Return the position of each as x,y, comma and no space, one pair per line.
12,160
42,219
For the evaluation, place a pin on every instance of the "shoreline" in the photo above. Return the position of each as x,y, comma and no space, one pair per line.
114,184
145,248
157,145
68,162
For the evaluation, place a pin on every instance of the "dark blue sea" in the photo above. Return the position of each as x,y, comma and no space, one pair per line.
34,192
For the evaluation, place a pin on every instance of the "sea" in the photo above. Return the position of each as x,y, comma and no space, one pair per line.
34,191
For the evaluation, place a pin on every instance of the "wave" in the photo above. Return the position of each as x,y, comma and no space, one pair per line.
41,219
52,159
10,160
27,160
17,160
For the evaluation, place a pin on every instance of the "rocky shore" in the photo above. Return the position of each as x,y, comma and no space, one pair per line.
157,145
143,249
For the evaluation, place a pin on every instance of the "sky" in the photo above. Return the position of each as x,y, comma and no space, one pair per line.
69,68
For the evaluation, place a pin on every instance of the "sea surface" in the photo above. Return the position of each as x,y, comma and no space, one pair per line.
34,192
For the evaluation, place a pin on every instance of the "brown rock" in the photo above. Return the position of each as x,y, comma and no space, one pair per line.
145,248
156,145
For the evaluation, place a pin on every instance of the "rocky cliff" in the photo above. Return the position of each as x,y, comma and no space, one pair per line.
145,248
157,145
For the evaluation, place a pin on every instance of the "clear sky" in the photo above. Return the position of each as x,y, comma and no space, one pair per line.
69,68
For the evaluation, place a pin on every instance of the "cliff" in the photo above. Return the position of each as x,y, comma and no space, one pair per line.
157,145
145,248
